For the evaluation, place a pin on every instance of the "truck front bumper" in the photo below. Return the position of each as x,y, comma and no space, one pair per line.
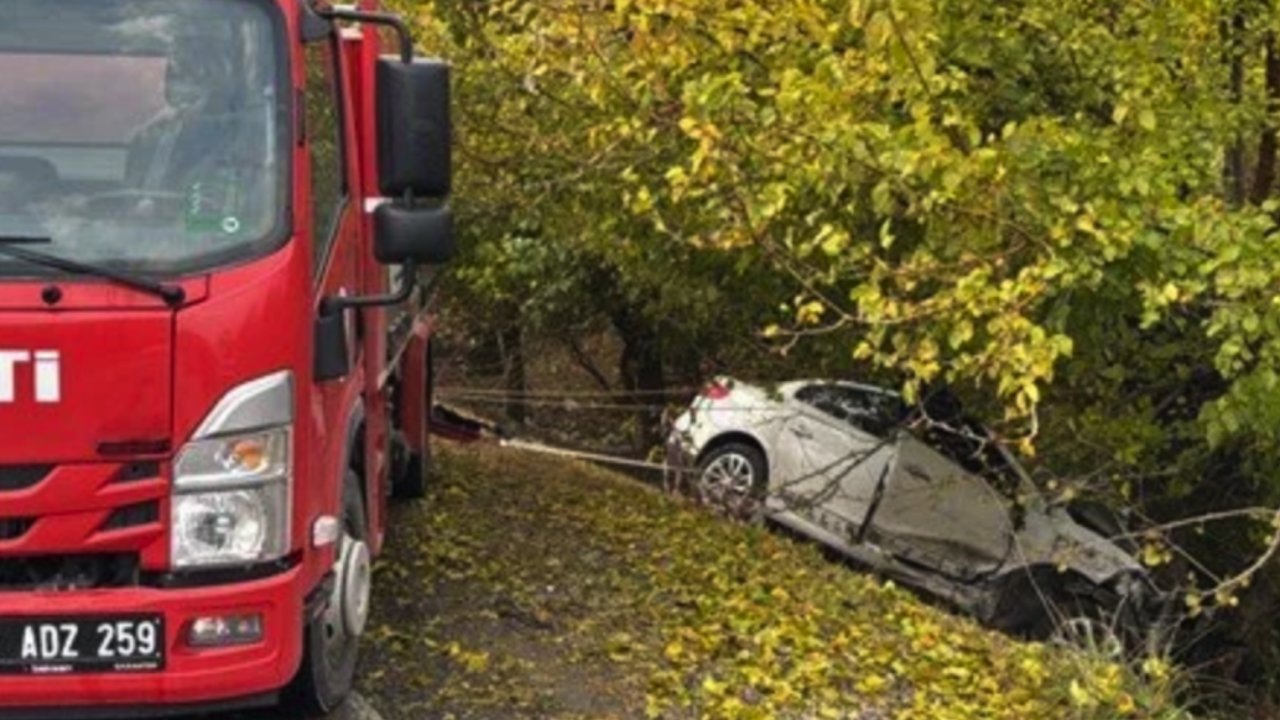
194,679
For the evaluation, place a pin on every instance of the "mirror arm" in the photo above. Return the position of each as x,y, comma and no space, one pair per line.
390,20
332,305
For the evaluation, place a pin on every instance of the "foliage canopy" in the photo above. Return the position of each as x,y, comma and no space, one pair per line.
1064,209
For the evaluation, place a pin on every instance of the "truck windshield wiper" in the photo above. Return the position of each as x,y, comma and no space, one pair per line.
16,247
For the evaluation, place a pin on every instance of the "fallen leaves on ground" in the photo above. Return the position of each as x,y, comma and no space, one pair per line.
527,587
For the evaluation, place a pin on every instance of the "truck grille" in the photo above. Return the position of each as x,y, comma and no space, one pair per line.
14,528
21,477
72,572
133,516
82,526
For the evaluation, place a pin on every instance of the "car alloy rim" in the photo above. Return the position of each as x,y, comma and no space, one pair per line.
1086,633
729,481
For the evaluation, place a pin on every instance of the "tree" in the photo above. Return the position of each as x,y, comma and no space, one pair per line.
1063,210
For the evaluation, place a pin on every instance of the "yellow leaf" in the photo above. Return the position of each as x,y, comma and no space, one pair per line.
713,687
857,12
674,650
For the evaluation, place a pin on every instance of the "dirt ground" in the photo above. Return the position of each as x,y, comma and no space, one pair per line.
528,588
487,607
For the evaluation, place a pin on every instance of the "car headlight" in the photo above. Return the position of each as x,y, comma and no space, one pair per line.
232,486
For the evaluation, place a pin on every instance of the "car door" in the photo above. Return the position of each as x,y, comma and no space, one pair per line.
835,462
933,513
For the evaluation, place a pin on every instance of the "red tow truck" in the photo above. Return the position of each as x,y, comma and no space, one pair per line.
221,227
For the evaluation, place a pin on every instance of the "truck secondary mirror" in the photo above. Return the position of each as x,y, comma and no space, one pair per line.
332,355
421,235
415,155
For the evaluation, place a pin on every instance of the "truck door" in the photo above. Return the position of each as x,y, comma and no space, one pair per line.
333,217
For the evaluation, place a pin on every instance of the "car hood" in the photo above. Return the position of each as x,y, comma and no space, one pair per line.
940,510
1053,538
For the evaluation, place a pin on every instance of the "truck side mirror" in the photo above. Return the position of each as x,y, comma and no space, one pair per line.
415,154
420,235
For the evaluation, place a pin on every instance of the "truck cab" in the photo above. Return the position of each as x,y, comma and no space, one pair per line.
222,223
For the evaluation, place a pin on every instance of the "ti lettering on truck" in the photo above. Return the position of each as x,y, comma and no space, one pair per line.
222,227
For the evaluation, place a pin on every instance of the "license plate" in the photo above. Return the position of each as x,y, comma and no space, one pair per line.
62,646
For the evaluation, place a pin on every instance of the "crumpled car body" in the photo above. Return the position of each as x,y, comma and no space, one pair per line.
843,464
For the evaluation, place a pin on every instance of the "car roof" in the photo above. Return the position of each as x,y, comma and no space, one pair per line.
790,387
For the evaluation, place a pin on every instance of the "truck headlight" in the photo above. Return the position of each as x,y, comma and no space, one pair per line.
239,527
232,486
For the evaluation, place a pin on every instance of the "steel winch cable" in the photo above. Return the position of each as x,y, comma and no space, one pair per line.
544,394
574,404
603,458
565,404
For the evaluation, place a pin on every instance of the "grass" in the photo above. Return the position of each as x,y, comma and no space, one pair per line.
529,587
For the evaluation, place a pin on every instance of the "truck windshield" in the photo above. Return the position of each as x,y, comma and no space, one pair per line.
142,134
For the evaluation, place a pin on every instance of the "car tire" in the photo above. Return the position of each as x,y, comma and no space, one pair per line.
331,643
733,478
1084,624
1036,609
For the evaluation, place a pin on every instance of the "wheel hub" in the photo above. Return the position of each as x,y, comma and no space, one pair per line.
728,482
349,606
1085,633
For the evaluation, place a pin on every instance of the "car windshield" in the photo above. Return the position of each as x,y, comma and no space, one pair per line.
142,134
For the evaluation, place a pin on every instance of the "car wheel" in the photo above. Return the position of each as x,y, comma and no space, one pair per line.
1082,623
733,479
1036,606
332,637
1089,633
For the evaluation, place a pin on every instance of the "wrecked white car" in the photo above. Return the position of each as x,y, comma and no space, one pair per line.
935,504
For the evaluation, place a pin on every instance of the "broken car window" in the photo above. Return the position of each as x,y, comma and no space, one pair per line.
875,413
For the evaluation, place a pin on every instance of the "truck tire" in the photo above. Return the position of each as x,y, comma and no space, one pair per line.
412,484
407,482
332,638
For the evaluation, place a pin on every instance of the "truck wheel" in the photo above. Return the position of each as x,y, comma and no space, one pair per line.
409,478
332,638
413,482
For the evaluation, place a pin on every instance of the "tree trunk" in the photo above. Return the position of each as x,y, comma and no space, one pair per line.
1234,165
584,361
514,377
1265,177
641,372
